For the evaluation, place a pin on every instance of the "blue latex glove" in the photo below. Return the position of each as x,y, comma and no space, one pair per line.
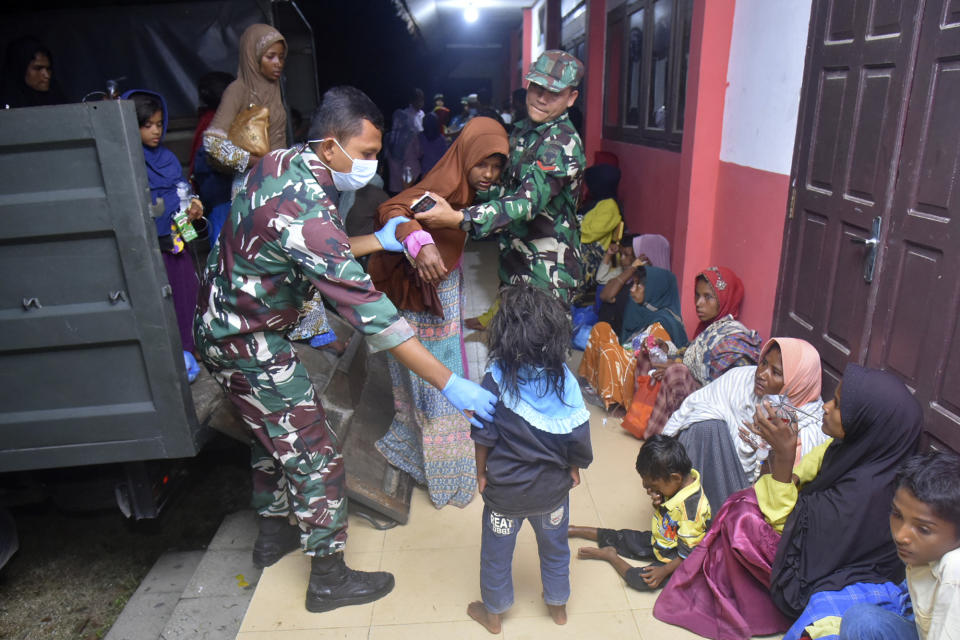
190,363
388,235
469,396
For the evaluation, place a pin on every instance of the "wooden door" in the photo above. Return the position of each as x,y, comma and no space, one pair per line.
853,105
878,141
916,330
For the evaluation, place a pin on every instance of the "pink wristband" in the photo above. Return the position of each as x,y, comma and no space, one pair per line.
415,241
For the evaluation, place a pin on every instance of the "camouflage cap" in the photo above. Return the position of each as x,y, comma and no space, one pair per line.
556,70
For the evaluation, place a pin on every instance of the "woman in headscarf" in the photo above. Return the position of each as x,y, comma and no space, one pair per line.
263,53
598,227
710,421
654,248
720,343
609,361
164,174
427,438
28,76
806,534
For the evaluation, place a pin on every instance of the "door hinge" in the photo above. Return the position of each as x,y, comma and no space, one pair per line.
793,203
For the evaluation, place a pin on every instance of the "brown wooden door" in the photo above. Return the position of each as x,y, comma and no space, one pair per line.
916,330
878,140
858,66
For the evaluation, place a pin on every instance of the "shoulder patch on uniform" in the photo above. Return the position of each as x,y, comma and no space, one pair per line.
549,159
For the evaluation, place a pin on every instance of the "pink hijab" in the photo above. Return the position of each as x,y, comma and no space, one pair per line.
655,247
801,369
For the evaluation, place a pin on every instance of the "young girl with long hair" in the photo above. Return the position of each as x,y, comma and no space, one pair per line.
530,455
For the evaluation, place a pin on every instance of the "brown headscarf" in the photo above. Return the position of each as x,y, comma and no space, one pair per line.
252,87
391,272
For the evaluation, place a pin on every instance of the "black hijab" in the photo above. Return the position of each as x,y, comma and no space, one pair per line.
14,90
839,531
602,181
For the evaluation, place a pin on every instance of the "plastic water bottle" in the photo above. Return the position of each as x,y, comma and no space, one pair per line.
781,408
780,405
657,356
187,232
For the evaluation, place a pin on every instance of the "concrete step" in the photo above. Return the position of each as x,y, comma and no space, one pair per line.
196,595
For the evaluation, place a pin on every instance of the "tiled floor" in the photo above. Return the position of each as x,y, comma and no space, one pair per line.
435,557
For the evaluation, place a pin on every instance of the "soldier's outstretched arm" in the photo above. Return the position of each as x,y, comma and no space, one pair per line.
465,395
383,240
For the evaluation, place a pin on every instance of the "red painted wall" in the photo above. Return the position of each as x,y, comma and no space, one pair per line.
748,236
593,79
648,188
700,155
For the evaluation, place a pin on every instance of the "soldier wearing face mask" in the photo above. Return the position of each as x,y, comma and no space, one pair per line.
283,241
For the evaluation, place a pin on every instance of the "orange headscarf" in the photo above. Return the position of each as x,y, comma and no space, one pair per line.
391,273
801,369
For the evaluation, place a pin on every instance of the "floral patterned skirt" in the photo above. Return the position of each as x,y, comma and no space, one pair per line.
429,438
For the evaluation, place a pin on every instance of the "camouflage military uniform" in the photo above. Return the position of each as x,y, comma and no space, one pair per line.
537,218
284,238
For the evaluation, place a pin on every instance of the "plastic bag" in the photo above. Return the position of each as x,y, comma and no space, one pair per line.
580,336
190,363
583,316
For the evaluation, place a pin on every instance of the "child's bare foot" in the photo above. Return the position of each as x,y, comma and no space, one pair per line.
593,553
474,323
588,533
558,612
490,621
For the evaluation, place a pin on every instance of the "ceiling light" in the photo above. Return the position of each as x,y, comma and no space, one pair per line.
470,14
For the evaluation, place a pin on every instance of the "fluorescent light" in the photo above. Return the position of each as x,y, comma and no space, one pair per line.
470,14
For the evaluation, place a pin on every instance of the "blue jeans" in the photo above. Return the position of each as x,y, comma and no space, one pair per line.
870,622
496,556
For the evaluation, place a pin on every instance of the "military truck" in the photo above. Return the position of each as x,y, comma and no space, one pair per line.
95,405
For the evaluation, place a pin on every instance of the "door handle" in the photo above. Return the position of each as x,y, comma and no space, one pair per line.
872,244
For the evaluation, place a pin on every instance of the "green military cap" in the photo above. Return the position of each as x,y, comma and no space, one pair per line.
556,70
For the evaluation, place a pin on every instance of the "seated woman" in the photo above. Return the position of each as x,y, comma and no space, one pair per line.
710,420
598,226
799,532
653,249
719,343
428,438
608,361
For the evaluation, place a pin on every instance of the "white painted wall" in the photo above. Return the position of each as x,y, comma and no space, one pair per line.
538,36
764,75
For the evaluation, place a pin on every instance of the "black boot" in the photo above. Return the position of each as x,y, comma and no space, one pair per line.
277,538
333,584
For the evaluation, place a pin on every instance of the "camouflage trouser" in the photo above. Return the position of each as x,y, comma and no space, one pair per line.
296,459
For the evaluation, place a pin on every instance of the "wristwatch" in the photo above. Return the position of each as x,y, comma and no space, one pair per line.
467,223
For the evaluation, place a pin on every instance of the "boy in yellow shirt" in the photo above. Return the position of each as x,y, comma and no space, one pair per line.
681,518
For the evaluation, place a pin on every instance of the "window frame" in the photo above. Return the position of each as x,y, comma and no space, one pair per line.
668,137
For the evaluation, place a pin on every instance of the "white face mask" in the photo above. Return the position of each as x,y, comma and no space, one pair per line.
360,174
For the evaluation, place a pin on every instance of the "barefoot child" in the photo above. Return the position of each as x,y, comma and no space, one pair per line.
680,519
925,523
530,455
